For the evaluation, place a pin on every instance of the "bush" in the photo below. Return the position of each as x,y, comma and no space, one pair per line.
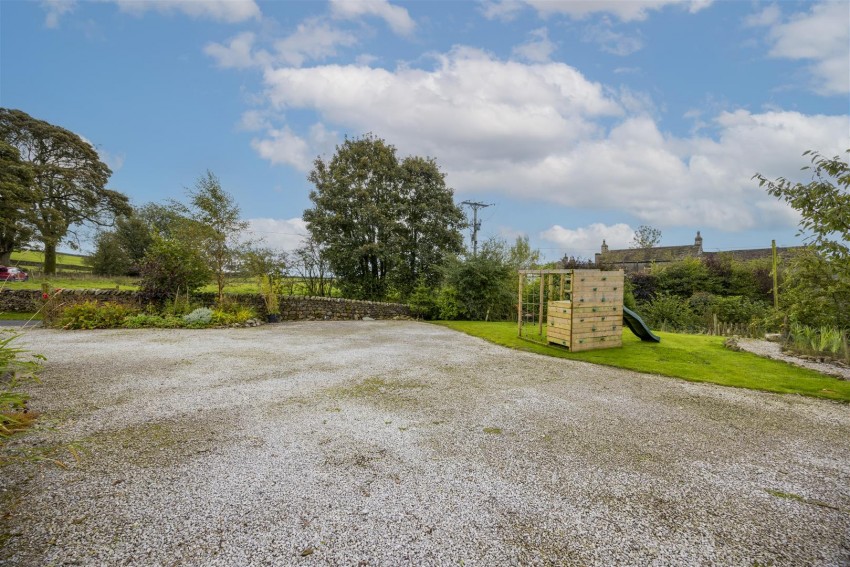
14,370
423,302
200,317
643,285
147,320
236,315
683,278
669,313
94,315
823,341
170,268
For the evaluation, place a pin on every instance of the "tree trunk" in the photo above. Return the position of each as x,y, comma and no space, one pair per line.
49,258
5,257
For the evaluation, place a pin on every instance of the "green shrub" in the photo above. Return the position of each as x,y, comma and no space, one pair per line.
200,317
669,313
15,369
94,315
423,302
823,341
231,316
148,320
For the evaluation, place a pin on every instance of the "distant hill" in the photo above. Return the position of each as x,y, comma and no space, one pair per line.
29,259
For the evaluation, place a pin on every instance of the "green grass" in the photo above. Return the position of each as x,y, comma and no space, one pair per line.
38,256
71,281
20,316
696,358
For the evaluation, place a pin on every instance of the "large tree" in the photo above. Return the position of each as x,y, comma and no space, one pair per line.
355,218
382,224
15,182
69,180
430,224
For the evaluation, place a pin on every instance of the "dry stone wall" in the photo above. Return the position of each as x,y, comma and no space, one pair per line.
292,308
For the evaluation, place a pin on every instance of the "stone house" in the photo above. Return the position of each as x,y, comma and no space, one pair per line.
639,259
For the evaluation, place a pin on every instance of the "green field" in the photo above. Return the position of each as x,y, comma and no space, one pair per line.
696,358
38,256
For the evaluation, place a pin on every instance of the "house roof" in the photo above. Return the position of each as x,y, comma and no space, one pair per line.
643,255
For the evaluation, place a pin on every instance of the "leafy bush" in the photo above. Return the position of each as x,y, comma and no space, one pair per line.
148,320
200,317
644,286
15,369
683,278
169,268
232,316
94,315
669,313
423,302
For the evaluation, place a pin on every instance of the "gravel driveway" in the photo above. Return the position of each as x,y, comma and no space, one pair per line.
394,443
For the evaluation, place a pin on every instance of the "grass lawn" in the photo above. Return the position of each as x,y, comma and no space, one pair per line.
71,281
697,358
37,256
20,316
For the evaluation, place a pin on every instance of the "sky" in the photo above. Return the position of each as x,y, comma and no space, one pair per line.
577,121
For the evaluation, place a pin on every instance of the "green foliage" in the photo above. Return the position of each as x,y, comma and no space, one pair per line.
682,279
823,203
381,223
269,268
69,180
149,320
423,302
17,367
216,226
232,316
484,285
94,315
171,267
696,358
16,177
816,291
109,257
824,341
646,237
669,313
521,256
200,317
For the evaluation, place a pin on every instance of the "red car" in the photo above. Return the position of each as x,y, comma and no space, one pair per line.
13,274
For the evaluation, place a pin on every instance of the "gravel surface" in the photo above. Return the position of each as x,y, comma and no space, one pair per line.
395,443
773,350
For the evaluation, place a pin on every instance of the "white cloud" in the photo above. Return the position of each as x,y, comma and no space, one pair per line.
612,41
821,36
505,10
538,48
586,241
282,146
228,11
313,39
239,52
543,132
396,17
55,10
278,234
624,10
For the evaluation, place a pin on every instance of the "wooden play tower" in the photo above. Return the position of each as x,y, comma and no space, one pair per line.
577,309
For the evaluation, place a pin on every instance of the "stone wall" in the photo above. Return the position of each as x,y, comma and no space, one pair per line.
292,308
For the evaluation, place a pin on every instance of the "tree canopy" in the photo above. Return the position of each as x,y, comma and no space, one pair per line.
646,237
16,178
382,224
69,180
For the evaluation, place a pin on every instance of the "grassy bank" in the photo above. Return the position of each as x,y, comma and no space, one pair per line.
697,358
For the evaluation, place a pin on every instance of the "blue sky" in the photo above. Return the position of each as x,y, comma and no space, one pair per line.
578,120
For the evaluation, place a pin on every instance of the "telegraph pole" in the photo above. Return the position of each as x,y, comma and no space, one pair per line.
476,224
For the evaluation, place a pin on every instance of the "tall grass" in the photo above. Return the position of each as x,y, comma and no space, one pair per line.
824,341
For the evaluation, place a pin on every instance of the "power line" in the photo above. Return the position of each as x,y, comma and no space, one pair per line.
476,225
